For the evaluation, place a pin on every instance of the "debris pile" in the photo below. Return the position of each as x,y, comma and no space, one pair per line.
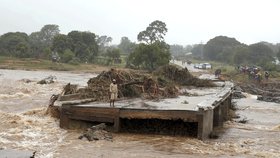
181,76
237,93
47,80
163,83
130,84
97,132
25,80
266,92
69,89
53,110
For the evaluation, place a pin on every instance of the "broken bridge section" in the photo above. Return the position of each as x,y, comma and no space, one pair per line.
195,119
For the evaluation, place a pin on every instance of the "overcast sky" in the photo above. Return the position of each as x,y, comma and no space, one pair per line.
188,21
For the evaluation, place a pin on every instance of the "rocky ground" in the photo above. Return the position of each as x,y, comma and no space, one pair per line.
265,91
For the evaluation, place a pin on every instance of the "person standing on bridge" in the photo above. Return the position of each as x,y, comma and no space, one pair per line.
113,91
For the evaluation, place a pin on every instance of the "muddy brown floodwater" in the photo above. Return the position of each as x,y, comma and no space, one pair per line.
24,126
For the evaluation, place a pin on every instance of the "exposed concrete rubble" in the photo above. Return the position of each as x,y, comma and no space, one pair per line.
97,132
237,93
269,99
266,92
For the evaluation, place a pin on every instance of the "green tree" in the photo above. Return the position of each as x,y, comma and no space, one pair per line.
48,32
154,32
15,44
36,44
126,46
220,48
260,54
197,50
22,50
278,55
155,52
273,47
177,50
103,43
150,56
67,56
84,45
113,55
42,40
241,55
61,43
104,40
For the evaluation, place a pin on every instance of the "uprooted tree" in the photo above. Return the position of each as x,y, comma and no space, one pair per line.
154,52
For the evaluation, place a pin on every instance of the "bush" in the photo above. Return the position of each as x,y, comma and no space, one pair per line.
271,67
74,62
275,74
67,56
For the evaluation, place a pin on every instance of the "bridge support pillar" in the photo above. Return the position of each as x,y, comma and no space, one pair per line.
205,123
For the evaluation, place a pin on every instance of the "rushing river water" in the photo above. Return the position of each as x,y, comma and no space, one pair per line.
25,126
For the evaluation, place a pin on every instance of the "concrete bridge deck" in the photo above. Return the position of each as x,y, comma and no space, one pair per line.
208,110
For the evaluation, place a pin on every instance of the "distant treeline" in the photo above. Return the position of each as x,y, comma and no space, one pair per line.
229,50
149,53
87,47
75,47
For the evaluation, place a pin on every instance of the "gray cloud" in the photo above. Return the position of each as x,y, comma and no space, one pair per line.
188,22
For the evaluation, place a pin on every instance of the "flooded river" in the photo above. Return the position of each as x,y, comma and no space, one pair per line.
24,126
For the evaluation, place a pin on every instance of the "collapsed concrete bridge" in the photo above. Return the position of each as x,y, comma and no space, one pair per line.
197,117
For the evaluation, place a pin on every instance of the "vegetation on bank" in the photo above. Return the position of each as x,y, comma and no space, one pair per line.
41,64
230,51
82,47
49,49
230,71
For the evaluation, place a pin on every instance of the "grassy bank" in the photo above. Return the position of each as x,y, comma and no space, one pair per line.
39,64
229,72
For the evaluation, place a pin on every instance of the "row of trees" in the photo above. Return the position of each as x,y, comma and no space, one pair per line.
37,44
229,50
151,52
77,46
